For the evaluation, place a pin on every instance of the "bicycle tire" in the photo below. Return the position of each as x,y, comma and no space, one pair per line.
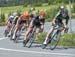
6,33
31,37
54,40
27,40
31,41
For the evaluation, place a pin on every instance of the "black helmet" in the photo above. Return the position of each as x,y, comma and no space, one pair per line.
32,9
63,11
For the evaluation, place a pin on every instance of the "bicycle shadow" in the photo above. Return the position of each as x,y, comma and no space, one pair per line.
58,48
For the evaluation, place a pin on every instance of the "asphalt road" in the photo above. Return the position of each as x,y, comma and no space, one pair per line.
10,49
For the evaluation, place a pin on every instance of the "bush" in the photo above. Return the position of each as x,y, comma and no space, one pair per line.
37,4
41,37
2,17
50,13
65,39
25,5
2,23
73,10
45,4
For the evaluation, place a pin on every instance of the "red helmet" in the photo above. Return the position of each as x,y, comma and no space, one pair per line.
42,13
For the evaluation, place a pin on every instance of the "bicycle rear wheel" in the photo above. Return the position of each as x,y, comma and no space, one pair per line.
6,33
54,40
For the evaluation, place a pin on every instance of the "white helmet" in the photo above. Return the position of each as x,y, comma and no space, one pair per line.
61,7
32,9
15,14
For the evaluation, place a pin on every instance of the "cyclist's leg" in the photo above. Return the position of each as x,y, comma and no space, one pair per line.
13,26
27,33
9,25
17,26
61,25
11,30
41,28
48,35
26,36
31,26
37,31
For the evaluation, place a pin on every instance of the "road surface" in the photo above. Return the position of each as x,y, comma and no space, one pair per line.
10,49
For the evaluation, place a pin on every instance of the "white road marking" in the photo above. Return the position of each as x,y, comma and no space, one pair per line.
37,52
3,38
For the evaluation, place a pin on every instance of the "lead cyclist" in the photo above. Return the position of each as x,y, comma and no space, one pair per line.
58,20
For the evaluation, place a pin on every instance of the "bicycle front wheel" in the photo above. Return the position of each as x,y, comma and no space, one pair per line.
54,40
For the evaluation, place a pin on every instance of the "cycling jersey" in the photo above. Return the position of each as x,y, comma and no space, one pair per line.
59,18
23,19
38,22
15,19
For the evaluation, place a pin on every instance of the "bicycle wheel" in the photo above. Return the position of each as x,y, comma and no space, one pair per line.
31,40
28,39
31,37
11,36
6,33
54,40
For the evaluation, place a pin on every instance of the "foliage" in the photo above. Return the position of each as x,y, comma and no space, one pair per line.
73,10
50,13
32,2
2,23
2,17
25,5
65,39
41,37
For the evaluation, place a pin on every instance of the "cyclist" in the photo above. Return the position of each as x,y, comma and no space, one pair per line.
9,22
22,20
38,22
16,16
58,20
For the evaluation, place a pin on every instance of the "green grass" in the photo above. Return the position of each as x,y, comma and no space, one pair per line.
65,39
7,10
50,10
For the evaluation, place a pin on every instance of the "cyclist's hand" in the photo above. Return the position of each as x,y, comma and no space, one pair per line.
53,24
66,29
66,26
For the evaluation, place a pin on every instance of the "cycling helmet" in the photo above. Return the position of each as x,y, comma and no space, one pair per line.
63,11
61,7
15,14
26,14
11,18
32,9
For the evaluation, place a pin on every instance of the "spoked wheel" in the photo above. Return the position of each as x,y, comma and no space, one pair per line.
30,40
11,36
54,40
6,33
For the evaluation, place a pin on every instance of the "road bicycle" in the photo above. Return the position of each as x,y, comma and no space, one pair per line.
54,38
30,38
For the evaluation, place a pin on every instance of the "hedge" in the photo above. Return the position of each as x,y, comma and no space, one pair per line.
65,39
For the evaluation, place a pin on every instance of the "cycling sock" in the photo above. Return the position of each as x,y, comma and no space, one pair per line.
14,35
45,41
